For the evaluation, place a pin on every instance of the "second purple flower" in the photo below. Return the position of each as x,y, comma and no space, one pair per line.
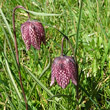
64,69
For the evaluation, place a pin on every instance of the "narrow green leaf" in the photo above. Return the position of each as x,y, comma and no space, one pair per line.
63,108
12,51
10,74
45,69
40,84
89,96
42,14
12,79
78,27
10,102
7,25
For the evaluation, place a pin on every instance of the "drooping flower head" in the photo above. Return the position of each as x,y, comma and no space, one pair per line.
64,69
33,34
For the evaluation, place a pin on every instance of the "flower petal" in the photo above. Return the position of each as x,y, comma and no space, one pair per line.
41,30
62,78
25,34
72,69
53,73
35,37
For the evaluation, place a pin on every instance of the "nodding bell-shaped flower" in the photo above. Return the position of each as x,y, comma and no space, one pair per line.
33,34
63,69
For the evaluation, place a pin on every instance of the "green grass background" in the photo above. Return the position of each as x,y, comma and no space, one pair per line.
89,32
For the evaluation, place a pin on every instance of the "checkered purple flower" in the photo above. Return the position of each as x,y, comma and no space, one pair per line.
33,34
63,69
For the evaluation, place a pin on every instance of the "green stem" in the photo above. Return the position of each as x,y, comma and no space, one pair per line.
78,27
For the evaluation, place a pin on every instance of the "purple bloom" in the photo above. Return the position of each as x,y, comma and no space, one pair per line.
63,69
33,34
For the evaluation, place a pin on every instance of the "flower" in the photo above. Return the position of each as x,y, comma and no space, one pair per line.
63,69
33,34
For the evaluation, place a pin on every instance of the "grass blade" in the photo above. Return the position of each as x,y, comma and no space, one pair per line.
7,25
63,108
42,14
12,79
89,96
10,74
45,69
10,102
13,55
77,34
40,84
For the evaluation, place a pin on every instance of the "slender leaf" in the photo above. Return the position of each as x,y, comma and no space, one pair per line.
10,74
89,96
78,27
40,84
9,43
42,14
7,25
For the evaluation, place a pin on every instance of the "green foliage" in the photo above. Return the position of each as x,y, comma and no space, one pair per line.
88,29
